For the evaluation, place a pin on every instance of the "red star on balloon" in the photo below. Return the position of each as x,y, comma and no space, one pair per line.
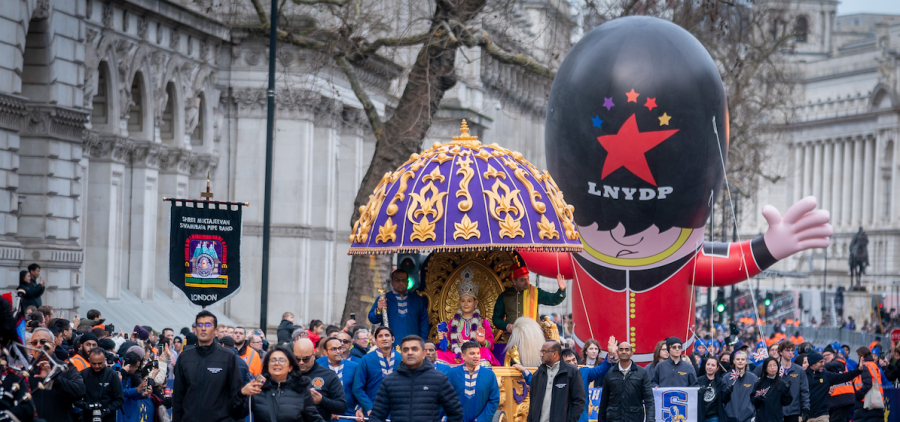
627,148
651,103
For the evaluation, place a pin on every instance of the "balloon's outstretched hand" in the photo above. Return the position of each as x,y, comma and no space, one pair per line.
802,227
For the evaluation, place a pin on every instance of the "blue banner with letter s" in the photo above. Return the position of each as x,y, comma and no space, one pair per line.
891,400
672,404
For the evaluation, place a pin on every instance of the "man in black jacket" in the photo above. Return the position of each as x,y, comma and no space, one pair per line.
627,393
327,391
556,388
820,383
53,402
206,378
415,391
286,328
102,387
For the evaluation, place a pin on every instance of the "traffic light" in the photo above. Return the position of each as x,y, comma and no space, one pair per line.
720,300
412,264
769,297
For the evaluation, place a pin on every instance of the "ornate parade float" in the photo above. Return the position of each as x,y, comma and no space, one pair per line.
471,207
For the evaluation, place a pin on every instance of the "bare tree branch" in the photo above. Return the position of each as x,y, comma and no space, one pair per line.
367,49
362,96
316,2
261,12
483,39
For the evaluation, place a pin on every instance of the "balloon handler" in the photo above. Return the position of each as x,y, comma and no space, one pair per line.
637,136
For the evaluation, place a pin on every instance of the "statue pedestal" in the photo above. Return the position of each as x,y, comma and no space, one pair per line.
859,306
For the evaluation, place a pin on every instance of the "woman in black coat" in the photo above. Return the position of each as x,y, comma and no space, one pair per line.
770,393
714,392
283,397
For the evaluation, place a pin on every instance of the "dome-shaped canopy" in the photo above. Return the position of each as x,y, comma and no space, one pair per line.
463,195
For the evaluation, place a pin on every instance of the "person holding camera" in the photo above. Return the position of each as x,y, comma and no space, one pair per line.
103,390
54,401
136,388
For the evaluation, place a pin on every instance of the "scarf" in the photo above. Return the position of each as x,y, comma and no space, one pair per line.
339,370
471,379
387,365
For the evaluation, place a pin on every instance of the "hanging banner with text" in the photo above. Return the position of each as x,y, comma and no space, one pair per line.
671,404
205,250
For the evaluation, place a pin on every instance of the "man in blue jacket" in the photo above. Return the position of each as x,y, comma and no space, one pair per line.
476,387
415,392
372,369
138,406
345,369
407,313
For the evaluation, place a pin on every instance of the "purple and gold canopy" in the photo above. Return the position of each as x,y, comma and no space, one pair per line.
463,195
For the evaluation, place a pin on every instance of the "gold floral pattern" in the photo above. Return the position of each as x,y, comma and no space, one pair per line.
564,211
466,228
368,212
392,206
506,202
429,202
492,172
547,229
467,172
386,232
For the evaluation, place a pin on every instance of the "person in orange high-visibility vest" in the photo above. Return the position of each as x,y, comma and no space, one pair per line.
797,338
250,356
80,360
869,379
874,344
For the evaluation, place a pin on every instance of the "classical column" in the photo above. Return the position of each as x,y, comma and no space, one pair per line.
807,169
825,198
351,169
798,172
144,208
868,181
858,151
847,178
327,135
837,176
817,170
12,116
895,183
103,263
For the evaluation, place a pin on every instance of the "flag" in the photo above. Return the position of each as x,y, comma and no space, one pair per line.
19,314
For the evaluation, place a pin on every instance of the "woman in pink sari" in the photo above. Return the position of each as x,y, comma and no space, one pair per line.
466,324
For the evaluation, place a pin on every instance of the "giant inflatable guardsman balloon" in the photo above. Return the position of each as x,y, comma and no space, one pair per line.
636,122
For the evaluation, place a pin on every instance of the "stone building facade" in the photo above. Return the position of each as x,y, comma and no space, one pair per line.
107,107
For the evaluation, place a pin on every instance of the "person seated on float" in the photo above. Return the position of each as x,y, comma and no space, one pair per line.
522,299
467,324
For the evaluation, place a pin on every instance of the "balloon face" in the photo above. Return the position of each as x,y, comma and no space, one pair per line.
636,137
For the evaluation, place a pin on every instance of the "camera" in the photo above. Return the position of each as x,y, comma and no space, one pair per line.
95,410
111,358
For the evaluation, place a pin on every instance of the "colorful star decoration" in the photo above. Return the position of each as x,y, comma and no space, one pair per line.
597,121
627,148
664,119
632,96
650,104
608,103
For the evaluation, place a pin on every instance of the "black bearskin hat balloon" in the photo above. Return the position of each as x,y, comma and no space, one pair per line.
637,128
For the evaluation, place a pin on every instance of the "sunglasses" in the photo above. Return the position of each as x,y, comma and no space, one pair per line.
304,359
346,341
41,342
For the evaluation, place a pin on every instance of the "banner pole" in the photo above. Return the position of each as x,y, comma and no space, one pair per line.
267,204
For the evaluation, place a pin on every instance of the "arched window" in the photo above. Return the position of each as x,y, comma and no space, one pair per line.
136,112
100,102
801,29
167,128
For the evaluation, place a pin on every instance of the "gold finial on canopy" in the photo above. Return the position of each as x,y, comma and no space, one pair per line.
464,138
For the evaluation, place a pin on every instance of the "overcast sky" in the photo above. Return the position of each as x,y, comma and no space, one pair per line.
847,7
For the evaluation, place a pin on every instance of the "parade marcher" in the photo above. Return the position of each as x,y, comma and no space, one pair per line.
674,371
206,377
53,403
415,391
589,375
820,383
557,391
660,353
843,396
344,368
714,392
286,328
477,389
407,313
360,343
467,324
327,392
372,369
798,409
869,378
284,396
522,299
591,353
771,393
740,408
430,351
103,390
627,394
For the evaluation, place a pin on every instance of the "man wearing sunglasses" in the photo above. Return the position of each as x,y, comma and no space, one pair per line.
674,371
206,377
53,402
327,391
336,360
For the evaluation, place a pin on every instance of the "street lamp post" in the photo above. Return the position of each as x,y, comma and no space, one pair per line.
267,205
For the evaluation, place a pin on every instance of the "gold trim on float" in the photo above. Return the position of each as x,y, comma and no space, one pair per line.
636,262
